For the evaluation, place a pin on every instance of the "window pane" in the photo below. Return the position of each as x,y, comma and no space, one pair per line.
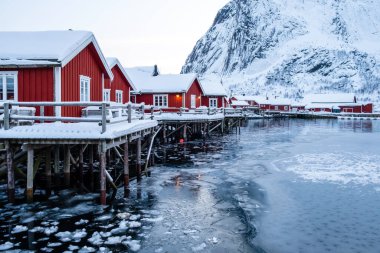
10,80
165,101
1,88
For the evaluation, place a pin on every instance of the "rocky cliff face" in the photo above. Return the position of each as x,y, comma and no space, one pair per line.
293,47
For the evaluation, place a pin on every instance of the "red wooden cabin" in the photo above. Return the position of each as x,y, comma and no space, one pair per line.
119,89
337,102
169,92
52,66
214,95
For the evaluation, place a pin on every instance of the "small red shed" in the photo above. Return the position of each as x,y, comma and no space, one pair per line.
168,92
52,66
119,89
213,94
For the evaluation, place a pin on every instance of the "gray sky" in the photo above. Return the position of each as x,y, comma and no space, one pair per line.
138,32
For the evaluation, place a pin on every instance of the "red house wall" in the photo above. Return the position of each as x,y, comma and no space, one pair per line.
280,107
119,83
195,89
368,108
353,109
205,101
86,63
35,85
174,99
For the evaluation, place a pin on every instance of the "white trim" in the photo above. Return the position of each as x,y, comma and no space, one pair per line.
86,42
129,94
108,91
193,98
15,88
88,94
57,90
122,69
213,99
161,95
184,100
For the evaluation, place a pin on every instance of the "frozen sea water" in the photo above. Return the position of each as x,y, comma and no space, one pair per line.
281,186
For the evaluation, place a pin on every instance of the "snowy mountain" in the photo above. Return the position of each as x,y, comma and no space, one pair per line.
293,47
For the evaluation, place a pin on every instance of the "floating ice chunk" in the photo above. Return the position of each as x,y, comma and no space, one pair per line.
123,216
105,234
200,247
27,220
81,222
133,245
73,247
104,217
213,240
159,250
96,239
135,217
190,231
115,240
19,229
107,226
64,236
47,249
37,229
79,234
51,230
134,224
6,246
157,219
54,244
86,249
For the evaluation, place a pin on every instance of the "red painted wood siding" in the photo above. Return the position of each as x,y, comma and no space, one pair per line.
195,89
86,63
205,101
368,108
35,85
279,107
119,83
174,99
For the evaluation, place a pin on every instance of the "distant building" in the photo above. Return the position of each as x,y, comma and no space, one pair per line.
265,103
213,94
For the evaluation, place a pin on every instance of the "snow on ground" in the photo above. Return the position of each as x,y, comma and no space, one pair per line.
347,167
188,116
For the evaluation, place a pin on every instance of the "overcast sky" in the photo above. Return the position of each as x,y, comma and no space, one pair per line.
138,32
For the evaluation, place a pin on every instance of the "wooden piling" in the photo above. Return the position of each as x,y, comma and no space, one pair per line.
80,170
91,165
66,165
164,133
11,173
30,176
102,154
56,165
138,158
185,132
48,171
126,169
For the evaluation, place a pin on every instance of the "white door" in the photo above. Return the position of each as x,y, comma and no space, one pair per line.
193,101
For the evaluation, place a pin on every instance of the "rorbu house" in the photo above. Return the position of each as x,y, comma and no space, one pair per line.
52,66
214,94
168,92
336,103
119,88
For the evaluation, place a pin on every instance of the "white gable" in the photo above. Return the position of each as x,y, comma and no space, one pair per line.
330,98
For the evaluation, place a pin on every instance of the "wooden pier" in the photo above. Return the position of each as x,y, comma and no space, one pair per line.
64,150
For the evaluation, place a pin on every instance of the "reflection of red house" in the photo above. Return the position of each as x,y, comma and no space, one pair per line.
52,66
213,94
118,90
164,91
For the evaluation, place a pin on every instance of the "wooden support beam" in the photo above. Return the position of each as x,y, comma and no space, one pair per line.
66,164
164,133
48,171
102,154
91,166
80,170
56,165
126,169
185,132
30,166
11,173
138,158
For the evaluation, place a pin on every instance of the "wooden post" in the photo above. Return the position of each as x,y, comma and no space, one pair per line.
11,173
129,108
104,117
126,169
48,171
102,154
185,132
80,171
56,164
42,112
29,176
6,116
239,126
164,133
91,165
138,158
66,168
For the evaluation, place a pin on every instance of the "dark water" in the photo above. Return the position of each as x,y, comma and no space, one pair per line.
281,186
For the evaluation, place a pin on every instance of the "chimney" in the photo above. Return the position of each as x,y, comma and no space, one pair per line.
155,71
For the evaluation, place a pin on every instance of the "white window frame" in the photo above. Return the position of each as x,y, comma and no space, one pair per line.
276,107
87,95
119,96
108,92
215,100
162,96
193,101
286,108
4,74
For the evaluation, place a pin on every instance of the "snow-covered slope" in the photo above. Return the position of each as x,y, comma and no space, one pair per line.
293,47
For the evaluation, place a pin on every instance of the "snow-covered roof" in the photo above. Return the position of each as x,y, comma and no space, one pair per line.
42,47
330,98
250,98
145,82
239,103
212,88
322,106
112,62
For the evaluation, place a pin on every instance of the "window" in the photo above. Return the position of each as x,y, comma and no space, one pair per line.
213,102
119,96
85,88
286,108
193,101
8,85
276,108
107,95
160,100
